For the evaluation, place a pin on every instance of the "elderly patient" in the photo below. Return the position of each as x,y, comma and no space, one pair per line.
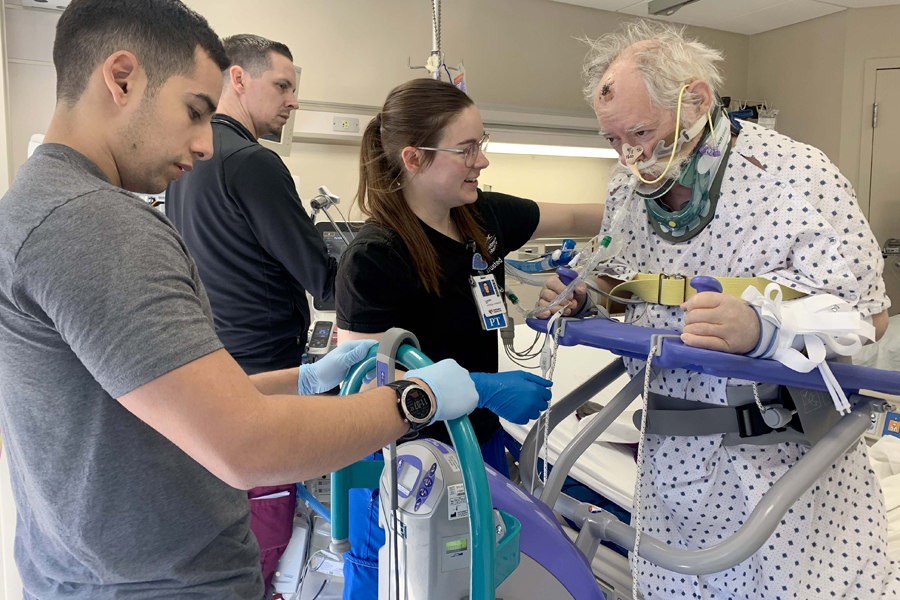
732,200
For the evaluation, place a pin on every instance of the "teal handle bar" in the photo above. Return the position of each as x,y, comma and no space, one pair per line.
366,474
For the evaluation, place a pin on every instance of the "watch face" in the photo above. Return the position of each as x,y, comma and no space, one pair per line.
418,404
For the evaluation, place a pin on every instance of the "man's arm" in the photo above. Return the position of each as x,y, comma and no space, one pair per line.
263,186
274,383
210,409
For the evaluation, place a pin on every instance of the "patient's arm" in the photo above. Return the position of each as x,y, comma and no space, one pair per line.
880,321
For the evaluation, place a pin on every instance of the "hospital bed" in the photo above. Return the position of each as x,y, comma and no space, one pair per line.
607,467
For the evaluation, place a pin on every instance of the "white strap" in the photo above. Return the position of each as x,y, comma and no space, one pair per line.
823,324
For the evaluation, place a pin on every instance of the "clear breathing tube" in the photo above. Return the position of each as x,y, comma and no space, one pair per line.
600,249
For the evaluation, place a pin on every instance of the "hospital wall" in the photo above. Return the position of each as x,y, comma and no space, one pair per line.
522,53
541,178
797,69
516,52
814,72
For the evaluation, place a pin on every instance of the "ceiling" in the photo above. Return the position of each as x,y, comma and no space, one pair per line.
740,16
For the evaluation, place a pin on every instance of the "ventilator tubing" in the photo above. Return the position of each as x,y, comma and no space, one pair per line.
608,247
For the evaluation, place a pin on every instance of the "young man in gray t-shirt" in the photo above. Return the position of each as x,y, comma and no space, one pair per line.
130,432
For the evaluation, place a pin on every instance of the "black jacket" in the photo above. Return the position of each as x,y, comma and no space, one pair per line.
255,246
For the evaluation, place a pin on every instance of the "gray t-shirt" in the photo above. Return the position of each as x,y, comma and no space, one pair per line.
99,296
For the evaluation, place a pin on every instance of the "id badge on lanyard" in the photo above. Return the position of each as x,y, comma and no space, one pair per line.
489,301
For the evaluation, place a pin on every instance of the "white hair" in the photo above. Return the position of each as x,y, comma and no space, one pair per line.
669,62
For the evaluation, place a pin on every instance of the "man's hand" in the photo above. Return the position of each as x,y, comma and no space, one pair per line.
720,322
325,374
553,287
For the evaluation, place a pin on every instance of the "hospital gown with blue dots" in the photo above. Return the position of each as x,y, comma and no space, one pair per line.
795,221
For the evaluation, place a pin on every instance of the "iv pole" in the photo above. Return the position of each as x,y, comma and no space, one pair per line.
435,61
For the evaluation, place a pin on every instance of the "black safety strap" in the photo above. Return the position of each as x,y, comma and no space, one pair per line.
668,416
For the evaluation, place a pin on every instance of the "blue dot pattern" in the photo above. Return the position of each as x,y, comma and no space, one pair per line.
795,222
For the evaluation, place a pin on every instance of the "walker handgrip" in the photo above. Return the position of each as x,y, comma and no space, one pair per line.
706,284
566,275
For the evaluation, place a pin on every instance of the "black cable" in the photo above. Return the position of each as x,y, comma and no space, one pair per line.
350,233
528,353
592,288
521,355
524,366
537,336
319,593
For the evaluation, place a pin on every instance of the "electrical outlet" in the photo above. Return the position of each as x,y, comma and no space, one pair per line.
345,124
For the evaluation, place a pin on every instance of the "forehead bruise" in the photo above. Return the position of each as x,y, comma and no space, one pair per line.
626,96
606,91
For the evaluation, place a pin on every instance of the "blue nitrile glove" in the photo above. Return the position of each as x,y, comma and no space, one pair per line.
517,396
328,372
452,387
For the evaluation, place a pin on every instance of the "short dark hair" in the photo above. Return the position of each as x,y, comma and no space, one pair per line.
162,34
251,52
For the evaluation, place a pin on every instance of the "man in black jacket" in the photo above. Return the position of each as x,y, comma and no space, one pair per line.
255,246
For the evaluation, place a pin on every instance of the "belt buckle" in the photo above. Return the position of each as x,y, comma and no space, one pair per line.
745,420
659,289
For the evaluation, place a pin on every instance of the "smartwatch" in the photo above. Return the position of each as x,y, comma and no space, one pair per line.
415,405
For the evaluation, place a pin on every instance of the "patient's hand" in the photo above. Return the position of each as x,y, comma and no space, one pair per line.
720,322
553,287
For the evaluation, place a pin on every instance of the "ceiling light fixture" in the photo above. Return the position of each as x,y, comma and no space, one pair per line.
666,8
539,150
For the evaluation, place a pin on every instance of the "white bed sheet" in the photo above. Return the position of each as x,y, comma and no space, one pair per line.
607,468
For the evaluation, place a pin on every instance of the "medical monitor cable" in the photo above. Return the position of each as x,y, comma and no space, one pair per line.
640,471
507,336
350,233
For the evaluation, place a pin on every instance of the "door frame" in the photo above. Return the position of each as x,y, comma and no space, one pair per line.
864,187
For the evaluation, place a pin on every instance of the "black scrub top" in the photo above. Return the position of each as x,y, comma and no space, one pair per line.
377,288
256,249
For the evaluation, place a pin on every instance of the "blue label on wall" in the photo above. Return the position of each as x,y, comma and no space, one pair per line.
494,322
891,424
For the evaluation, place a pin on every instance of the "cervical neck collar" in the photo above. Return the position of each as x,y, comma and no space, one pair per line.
703,175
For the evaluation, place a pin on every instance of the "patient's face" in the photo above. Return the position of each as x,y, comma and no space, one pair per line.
627,116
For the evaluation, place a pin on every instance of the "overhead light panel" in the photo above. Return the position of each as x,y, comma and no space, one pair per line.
48,4
539,150
666,8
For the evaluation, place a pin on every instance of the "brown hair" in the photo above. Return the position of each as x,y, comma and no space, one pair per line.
253,52
414,114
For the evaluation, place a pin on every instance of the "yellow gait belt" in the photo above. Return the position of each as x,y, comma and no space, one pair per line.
667,290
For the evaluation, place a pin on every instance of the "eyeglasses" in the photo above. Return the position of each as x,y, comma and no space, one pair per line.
470,154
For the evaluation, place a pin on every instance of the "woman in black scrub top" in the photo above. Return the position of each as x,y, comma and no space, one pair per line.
428,258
